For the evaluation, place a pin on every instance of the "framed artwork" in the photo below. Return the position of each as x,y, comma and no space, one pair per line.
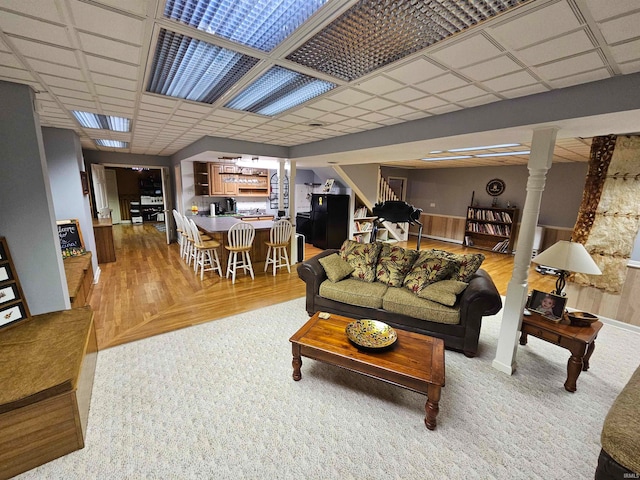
328,185
549,305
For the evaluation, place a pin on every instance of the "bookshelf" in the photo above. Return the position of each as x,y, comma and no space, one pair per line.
491,228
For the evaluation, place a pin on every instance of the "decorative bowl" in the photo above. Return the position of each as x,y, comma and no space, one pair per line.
371,334
581,319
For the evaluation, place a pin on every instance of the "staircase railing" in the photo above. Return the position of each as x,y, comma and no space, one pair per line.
385,192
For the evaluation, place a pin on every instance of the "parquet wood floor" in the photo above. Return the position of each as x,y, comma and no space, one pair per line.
149,290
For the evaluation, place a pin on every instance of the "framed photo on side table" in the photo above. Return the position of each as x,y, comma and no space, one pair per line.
549,305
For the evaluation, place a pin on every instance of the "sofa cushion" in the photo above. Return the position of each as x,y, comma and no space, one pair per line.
468,263
445,292
362,257
427,269
401,300
354,292
335,267
394,262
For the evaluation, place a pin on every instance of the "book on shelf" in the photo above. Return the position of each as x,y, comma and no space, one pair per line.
502,246
360,212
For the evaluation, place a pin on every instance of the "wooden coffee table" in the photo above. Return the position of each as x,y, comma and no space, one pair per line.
414,362
580,341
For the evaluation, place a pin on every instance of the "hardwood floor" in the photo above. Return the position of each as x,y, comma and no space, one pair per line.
149,290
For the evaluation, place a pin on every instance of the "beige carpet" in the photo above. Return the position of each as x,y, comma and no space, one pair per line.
217,401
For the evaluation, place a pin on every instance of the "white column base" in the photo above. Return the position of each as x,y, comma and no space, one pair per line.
508,369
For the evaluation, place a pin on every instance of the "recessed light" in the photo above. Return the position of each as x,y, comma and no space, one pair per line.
316,124
486,147
504,154
453,157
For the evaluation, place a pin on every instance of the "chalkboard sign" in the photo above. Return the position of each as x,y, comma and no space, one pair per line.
70,235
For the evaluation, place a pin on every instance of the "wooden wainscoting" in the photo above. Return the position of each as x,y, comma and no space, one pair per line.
441,227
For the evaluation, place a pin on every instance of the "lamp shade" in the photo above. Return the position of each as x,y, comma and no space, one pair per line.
568,256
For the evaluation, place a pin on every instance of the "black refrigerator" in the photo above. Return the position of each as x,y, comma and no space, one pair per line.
329,220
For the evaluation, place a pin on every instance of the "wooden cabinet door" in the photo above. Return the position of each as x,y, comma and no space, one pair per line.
216,187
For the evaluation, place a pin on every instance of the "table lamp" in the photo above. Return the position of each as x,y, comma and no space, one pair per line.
567,257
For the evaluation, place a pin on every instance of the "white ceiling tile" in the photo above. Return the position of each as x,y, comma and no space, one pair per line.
35,8
105,22
570,66
440,84
427,103
416,115
153,99
405,95
445,109
75,103
602,9
139,7
398,111
109,48
626,52
416,71
349,96
307,112
630,67
62,92
192,108
511,81
380,85
10,60
470,91
482,100
116,101
354,122
536,26
42,51
524,91
376,104
58,70
471,50
110,67
491,68
326,105
65,83
352,112
565,46
374,117
116,82
580,78
622,28
31,28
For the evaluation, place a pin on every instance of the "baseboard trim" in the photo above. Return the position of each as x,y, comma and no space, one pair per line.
619,324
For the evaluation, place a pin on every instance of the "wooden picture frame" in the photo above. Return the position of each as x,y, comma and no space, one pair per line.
85,182
548,305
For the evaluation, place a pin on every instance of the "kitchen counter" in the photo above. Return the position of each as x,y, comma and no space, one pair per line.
221,223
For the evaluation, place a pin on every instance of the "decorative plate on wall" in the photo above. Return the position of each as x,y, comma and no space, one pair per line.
495,187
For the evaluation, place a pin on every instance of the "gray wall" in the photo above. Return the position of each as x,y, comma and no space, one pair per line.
64,161
450,189
27,217
366,177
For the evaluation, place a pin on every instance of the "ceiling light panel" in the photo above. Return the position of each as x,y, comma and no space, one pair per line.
184,67
277,90
104,122
258,24
375,33
103,142
486,147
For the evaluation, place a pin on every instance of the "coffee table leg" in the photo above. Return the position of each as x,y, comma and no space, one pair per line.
431,406
296,362
585,360
523,338
574,366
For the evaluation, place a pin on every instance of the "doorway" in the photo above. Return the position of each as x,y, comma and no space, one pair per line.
399,186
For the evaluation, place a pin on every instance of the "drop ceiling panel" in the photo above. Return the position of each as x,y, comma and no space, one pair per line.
350,96
35,29
416,71
405,95
65,83
469,51
46,10
576,79
570,66
536,26
491,68
10,60
110,67
43,51
622,28
109,48
102,21
511,81
63,93
630,67
441,84
54,69
138,7
380,85
523,91
564,46
470,91
626,52
16,75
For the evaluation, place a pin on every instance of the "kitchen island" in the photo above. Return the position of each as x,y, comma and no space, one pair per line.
217,228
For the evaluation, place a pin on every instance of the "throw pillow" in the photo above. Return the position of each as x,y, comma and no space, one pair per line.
394,263
444,292
335,267
428,269
468,263
362,257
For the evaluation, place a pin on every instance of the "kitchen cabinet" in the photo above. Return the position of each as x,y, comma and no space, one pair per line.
201,178
231,181
216,186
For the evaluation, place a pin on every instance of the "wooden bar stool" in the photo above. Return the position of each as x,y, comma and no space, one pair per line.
240,238
279,238
206,252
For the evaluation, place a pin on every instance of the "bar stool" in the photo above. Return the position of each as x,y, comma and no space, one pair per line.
240,239
203,255
279,238
180,230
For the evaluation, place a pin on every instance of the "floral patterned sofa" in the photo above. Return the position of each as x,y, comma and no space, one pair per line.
433,292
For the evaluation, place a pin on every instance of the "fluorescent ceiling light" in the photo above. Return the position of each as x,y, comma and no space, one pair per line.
111,143
486,147
104,122
436,151
453,157
504,154
375,33
258,24
277,90
184,67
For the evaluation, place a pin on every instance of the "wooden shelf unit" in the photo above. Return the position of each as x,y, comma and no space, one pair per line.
491,228
230,180
201,178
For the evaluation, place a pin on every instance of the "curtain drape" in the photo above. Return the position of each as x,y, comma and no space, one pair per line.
609,215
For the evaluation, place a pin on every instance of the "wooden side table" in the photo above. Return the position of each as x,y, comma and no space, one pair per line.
580,341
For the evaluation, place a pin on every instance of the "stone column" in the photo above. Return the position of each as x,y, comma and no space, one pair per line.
540,160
